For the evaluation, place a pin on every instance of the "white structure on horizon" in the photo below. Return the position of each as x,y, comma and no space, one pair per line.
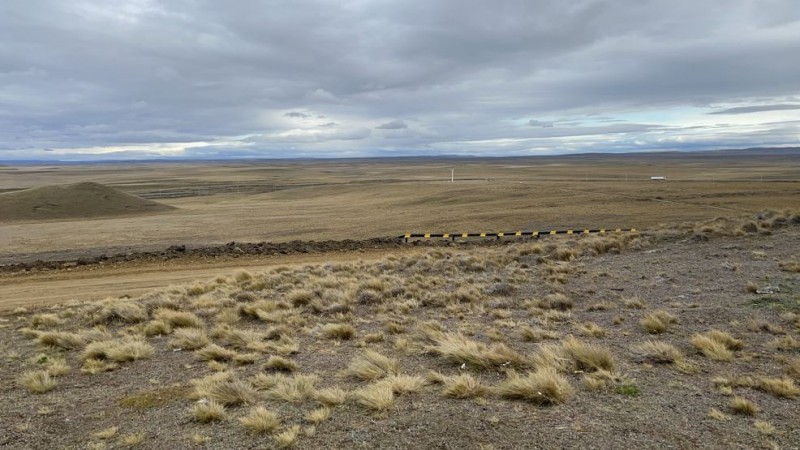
658,178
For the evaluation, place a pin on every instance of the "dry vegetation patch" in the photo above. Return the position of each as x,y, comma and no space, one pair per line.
336,345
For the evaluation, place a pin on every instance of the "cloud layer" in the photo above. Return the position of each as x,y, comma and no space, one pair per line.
90,79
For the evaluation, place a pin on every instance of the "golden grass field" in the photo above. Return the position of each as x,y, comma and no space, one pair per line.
685,334
281,201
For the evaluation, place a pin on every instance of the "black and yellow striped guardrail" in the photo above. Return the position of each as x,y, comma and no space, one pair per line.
498,235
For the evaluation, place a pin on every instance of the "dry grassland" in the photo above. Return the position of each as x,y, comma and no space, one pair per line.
282,201
623,341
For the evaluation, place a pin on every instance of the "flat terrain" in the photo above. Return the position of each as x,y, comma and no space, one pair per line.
281,201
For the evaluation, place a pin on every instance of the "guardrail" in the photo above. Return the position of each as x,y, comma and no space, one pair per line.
498,235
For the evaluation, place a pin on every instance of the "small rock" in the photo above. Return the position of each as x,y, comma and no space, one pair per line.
768,290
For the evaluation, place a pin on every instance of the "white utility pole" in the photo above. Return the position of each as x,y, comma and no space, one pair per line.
452,175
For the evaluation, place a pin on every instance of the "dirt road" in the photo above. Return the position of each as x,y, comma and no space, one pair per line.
96,282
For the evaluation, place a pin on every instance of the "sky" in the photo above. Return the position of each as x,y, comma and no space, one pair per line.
144,79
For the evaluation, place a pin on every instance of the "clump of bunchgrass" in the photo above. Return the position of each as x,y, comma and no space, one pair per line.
372,365
376,396
716,345
743,406
463,386
208,411
340,331
658,322
189,338
543,387
260,420
37,381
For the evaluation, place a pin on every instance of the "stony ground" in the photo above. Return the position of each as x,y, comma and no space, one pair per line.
457,334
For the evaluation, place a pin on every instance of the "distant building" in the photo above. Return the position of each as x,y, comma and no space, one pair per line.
658,178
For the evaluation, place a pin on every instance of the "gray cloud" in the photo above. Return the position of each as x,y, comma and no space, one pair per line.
198,77
756,108
541,123
297,115
393,125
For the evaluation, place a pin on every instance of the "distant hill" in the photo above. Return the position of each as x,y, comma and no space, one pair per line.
73,201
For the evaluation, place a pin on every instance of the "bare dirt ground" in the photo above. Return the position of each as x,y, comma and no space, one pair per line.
494,314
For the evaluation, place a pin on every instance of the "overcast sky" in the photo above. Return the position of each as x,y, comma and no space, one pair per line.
99,79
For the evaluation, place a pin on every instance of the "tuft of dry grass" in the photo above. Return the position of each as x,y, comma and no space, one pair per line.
591,329
588,356
280,364
179,319
764,427
602,379
292,389
376,396
120,311
57,367
208,411
189,338
711,348
287,438
213,352
790,266
463,386
726,339
536,334
633,303
95,366
132,440
558,302
459,349
331,396
318,415
657,322
62,339
37,381
405,384
778,387
340,331
107,433
716,345
543,387
743,406
156,328
372,365
260,420
658,352
718,415
793,368
119,350
224,389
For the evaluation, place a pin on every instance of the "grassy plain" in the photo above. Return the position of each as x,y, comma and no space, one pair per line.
315,200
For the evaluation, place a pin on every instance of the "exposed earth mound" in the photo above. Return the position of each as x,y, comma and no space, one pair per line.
73,201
